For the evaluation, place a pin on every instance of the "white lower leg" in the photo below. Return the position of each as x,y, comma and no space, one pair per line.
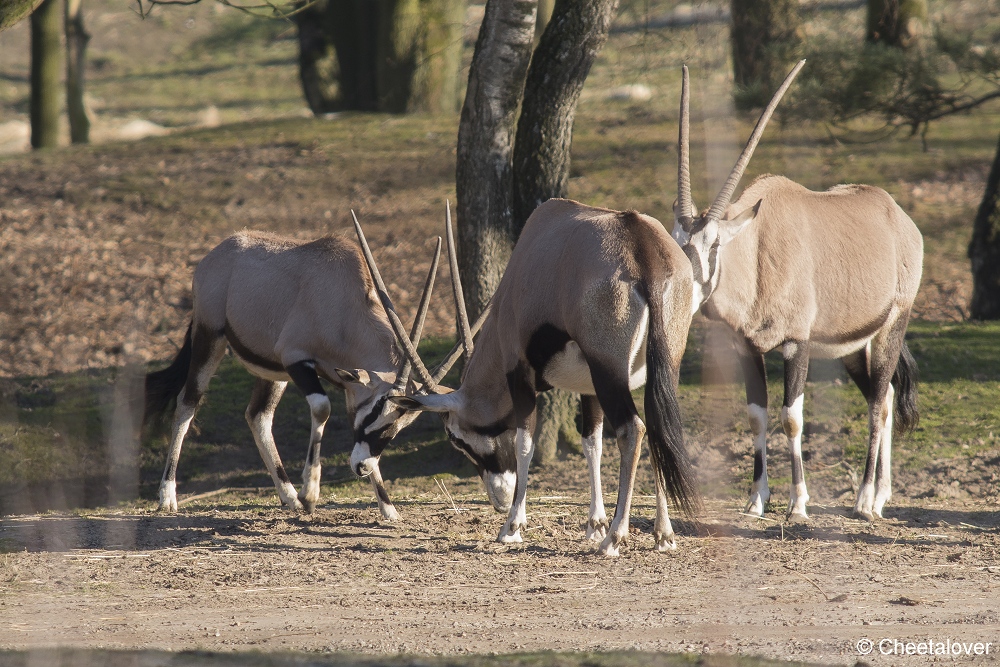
759,491
663,532
631,436
319,406
597,519
883,477
385,506
792,421
260,426
518,518
168,484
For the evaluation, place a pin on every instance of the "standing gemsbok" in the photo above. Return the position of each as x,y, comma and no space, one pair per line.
594,301
820,274
290,311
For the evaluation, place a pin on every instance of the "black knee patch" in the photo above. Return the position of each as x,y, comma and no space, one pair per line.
303,374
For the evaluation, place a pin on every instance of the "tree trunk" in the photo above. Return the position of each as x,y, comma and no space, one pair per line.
764,35
577,31
12,11
898,23
484,171
381,55
76,59
542,18
46,31
984,250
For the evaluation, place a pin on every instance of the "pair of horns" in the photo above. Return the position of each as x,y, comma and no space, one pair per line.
412,359
718,208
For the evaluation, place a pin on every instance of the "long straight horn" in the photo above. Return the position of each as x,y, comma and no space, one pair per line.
390,311
726,194
684,200
418,323
456,283
456,351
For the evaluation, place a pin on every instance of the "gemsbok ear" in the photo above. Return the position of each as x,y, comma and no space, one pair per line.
730,229
354,377
428,403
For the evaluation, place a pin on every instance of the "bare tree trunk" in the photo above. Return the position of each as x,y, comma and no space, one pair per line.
46,46
76,59
484,171
318,70
898,23
577,31
12,11
764,36
984,250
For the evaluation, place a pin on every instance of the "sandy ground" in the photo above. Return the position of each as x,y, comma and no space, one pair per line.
235,572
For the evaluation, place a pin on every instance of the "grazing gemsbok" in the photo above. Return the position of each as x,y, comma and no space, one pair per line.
821,274
594,301
290,311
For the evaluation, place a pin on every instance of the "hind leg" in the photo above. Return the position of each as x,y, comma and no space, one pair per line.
260,416
593,445
796,355
207,350
303,374
755,377
883,355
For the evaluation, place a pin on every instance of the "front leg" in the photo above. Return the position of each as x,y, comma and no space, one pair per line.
524,397
755,377
304,376
593,445
385,505
796,355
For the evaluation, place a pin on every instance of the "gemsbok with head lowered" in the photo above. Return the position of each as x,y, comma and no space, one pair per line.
819,274
594,301
290,311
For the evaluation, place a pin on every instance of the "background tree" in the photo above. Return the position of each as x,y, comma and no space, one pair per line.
898,23
76,58
576,33
381,55
765,36
46,47
12,11
984,250
502,175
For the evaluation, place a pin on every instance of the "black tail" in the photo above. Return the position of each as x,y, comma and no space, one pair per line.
162,387
663,416
904,381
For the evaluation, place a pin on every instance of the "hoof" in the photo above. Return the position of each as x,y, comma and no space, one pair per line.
665,542
167,506
597,529
389,513
864,513
609,547
756,506
511,533
305,505
797,517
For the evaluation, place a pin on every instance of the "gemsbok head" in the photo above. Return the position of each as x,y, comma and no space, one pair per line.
594,301
291,311
819,274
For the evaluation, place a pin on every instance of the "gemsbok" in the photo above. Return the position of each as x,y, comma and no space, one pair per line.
594,301
290,311
820,274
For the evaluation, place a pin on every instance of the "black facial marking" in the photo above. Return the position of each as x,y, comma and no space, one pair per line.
303,374
496,428
546,342
376,440
245,353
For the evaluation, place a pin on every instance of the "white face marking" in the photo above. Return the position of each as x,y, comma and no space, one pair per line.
679,234
362,461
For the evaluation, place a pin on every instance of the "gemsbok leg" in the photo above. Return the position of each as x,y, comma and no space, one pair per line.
303,374
207,350
755,378
260,417
593,447
883,356
525,400
796,354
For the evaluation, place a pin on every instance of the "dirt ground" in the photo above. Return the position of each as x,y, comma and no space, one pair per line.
236,572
